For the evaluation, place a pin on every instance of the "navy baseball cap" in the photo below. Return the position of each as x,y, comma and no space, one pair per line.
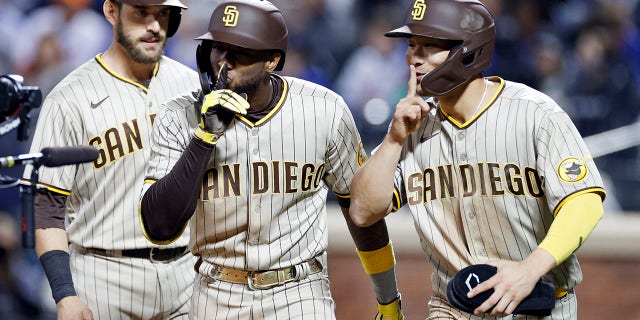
539,302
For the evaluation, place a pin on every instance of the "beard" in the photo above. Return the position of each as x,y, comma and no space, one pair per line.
138,55
249,85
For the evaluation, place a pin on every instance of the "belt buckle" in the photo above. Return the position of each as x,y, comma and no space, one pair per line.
151,253
254,286
280,275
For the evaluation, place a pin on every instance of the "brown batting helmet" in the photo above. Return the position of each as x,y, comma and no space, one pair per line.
468,24
250,24
175,15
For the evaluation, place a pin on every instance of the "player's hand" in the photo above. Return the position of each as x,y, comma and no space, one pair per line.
390,311
513,282
72,308
218,109
410,112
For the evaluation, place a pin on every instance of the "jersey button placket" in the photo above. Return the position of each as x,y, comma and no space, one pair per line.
459,146
254,144
253,236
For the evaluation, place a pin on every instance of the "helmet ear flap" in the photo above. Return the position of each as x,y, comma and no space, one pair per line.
175,15
205,69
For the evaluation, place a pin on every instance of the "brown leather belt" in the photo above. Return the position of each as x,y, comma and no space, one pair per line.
153,254
260,280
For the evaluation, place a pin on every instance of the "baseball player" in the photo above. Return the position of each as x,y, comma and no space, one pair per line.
110,270
493,171
248,161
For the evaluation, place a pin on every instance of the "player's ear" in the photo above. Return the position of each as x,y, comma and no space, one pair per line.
110,10
272,61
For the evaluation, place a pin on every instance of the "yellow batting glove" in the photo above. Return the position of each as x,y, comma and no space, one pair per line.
218,109
208,137
390,311
225,98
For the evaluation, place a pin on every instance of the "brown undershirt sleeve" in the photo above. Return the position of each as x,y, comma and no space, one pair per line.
170,202
49,209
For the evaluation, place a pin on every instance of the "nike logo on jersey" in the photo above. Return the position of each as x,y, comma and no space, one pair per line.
434,125
425,138
97,104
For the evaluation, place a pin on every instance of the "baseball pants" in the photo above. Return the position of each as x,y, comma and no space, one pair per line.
308,299
566,309
133,288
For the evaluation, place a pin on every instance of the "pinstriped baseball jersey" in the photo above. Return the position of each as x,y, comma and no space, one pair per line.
262,202
95,106
489,188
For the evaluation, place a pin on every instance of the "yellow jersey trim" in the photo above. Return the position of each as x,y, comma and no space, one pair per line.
285,91
481,111
123,78
51,188
396,200
597,190
152,240
343,196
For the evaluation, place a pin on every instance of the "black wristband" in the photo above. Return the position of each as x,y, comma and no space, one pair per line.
56,266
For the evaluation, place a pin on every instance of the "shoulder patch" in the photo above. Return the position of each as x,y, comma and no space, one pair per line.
572,169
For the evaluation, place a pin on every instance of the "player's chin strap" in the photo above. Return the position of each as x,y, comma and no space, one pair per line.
204,66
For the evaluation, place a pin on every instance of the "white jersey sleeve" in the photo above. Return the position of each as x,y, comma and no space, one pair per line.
564,161
172,131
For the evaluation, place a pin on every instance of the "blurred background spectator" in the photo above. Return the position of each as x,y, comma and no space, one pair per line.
583,53
373,77
22,285
54,38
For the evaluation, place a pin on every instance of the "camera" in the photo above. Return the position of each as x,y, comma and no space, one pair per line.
16,101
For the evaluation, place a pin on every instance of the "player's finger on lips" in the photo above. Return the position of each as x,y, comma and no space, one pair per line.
411,91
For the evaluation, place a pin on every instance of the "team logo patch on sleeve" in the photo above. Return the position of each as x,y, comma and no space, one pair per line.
572,169
361,155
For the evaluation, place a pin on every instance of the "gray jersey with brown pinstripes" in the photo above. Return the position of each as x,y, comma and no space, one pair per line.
489,188
263,199
96,106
